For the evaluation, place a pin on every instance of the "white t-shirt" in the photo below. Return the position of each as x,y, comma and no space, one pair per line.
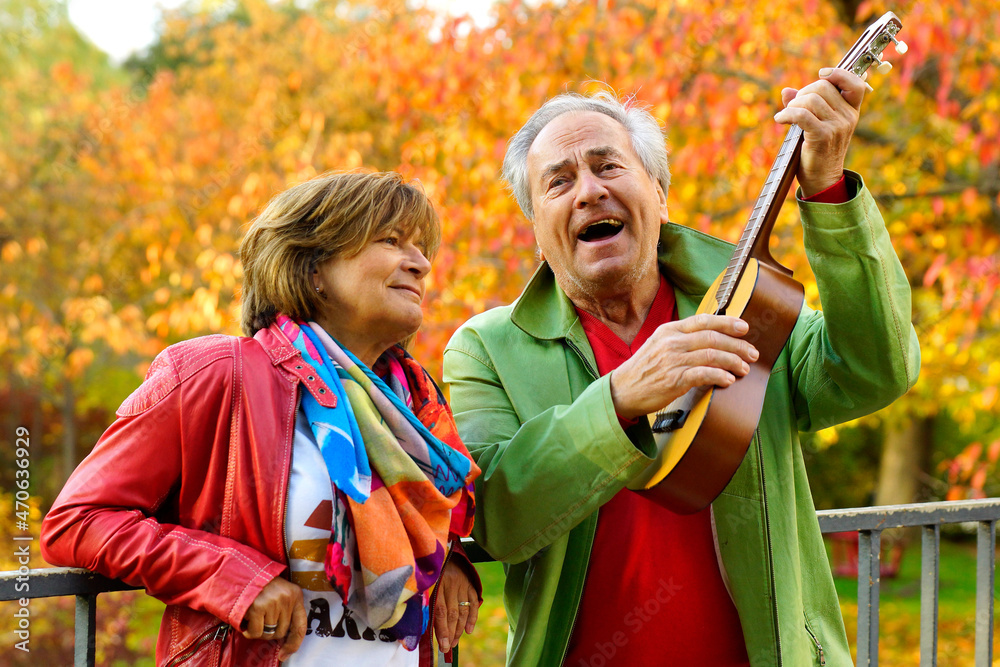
333,635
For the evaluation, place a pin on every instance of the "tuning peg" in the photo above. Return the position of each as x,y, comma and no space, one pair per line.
901,46
884,67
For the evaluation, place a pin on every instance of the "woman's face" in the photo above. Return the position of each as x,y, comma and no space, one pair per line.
372,301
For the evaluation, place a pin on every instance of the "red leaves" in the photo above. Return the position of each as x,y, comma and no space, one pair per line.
935,269
967,473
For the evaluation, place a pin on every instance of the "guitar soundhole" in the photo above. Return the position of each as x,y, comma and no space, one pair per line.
669,421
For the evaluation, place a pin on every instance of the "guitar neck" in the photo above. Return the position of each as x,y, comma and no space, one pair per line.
865,53
754,242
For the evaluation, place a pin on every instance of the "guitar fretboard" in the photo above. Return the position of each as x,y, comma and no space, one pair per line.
765,203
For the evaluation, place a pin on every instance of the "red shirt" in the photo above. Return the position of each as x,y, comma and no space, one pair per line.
654,593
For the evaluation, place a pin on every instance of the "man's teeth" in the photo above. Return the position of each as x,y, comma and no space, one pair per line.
613,223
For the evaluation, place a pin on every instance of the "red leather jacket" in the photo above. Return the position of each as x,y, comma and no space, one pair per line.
185,493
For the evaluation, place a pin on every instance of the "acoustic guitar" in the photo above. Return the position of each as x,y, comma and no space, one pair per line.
703,436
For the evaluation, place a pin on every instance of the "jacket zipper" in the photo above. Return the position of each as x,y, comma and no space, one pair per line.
217,632
586,364
819,647
770,551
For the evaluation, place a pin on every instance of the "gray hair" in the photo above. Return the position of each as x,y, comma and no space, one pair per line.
642,127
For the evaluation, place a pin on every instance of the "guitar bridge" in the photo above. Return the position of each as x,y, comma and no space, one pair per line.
669,421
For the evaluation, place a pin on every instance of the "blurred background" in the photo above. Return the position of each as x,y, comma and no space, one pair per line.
137,141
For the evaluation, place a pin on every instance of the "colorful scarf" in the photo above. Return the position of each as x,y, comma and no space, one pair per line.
402,480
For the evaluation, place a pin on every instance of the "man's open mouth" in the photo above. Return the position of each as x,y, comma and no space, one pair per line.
601,229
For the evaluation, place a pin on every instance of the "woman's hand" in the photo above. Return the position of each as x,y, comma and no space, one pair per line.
451,615
278,606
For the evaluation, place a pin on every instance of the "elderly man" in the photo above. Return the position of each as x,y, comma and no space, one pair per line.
551,394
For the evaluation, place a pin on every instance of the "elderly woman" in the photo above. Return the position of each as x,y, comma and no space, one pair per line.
294,495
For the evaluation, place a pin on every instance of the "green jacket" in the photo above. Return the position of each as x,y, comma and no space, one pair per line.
541,425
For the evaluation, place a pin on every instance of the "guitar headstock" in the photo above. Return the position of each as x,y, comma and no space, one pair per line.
867,51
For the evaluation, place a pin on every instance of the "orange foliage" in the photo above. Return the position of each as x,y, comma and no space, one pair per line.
122,207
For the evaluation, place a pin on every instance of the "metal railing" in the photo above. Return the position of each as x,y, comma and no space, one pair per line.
53,582
868,522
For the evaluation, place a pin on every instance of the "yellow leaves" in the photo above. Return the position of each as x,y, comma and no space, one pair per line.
34,245
200,313
278,98
153,257
237,206
78,361
747,93
955,157
826,438
251,184
987,398
11,251
747,49
688,190
93,283
748,116
203,235
993,372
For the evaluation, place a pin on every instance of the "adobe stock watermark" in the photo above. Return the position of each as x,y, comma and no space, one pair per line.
22,541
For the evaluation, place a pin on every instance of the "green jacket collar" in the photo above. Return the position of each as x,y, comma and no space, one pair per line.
543,310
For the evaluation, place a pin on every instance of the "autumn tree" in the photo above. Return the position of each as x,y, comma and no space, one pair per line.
121,224
44,342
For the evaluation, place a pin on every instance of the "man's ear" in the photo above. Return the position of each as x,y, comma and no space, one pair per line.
538,248
664,217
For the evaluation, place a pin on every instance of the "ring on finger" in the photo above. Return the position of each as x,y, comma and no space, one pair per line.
464,604
270,629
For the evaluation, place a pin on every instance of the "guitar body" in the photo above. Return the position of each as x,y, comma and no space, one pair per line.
696,461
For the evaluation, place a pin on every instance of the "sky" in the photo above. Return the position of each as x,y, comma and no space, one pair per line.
121,27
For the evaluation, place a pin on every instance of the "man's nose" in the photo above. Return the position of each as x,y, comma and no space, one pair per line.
590,189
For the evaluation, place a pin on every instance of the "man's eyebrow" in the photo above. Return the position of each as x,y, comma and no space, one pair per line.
553,169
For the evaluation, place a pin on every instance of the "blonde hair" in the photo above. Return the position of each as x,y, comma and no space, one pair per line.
333,215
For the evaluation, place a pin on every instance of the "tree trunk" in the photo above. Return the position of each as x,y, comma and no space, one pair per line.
904,455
